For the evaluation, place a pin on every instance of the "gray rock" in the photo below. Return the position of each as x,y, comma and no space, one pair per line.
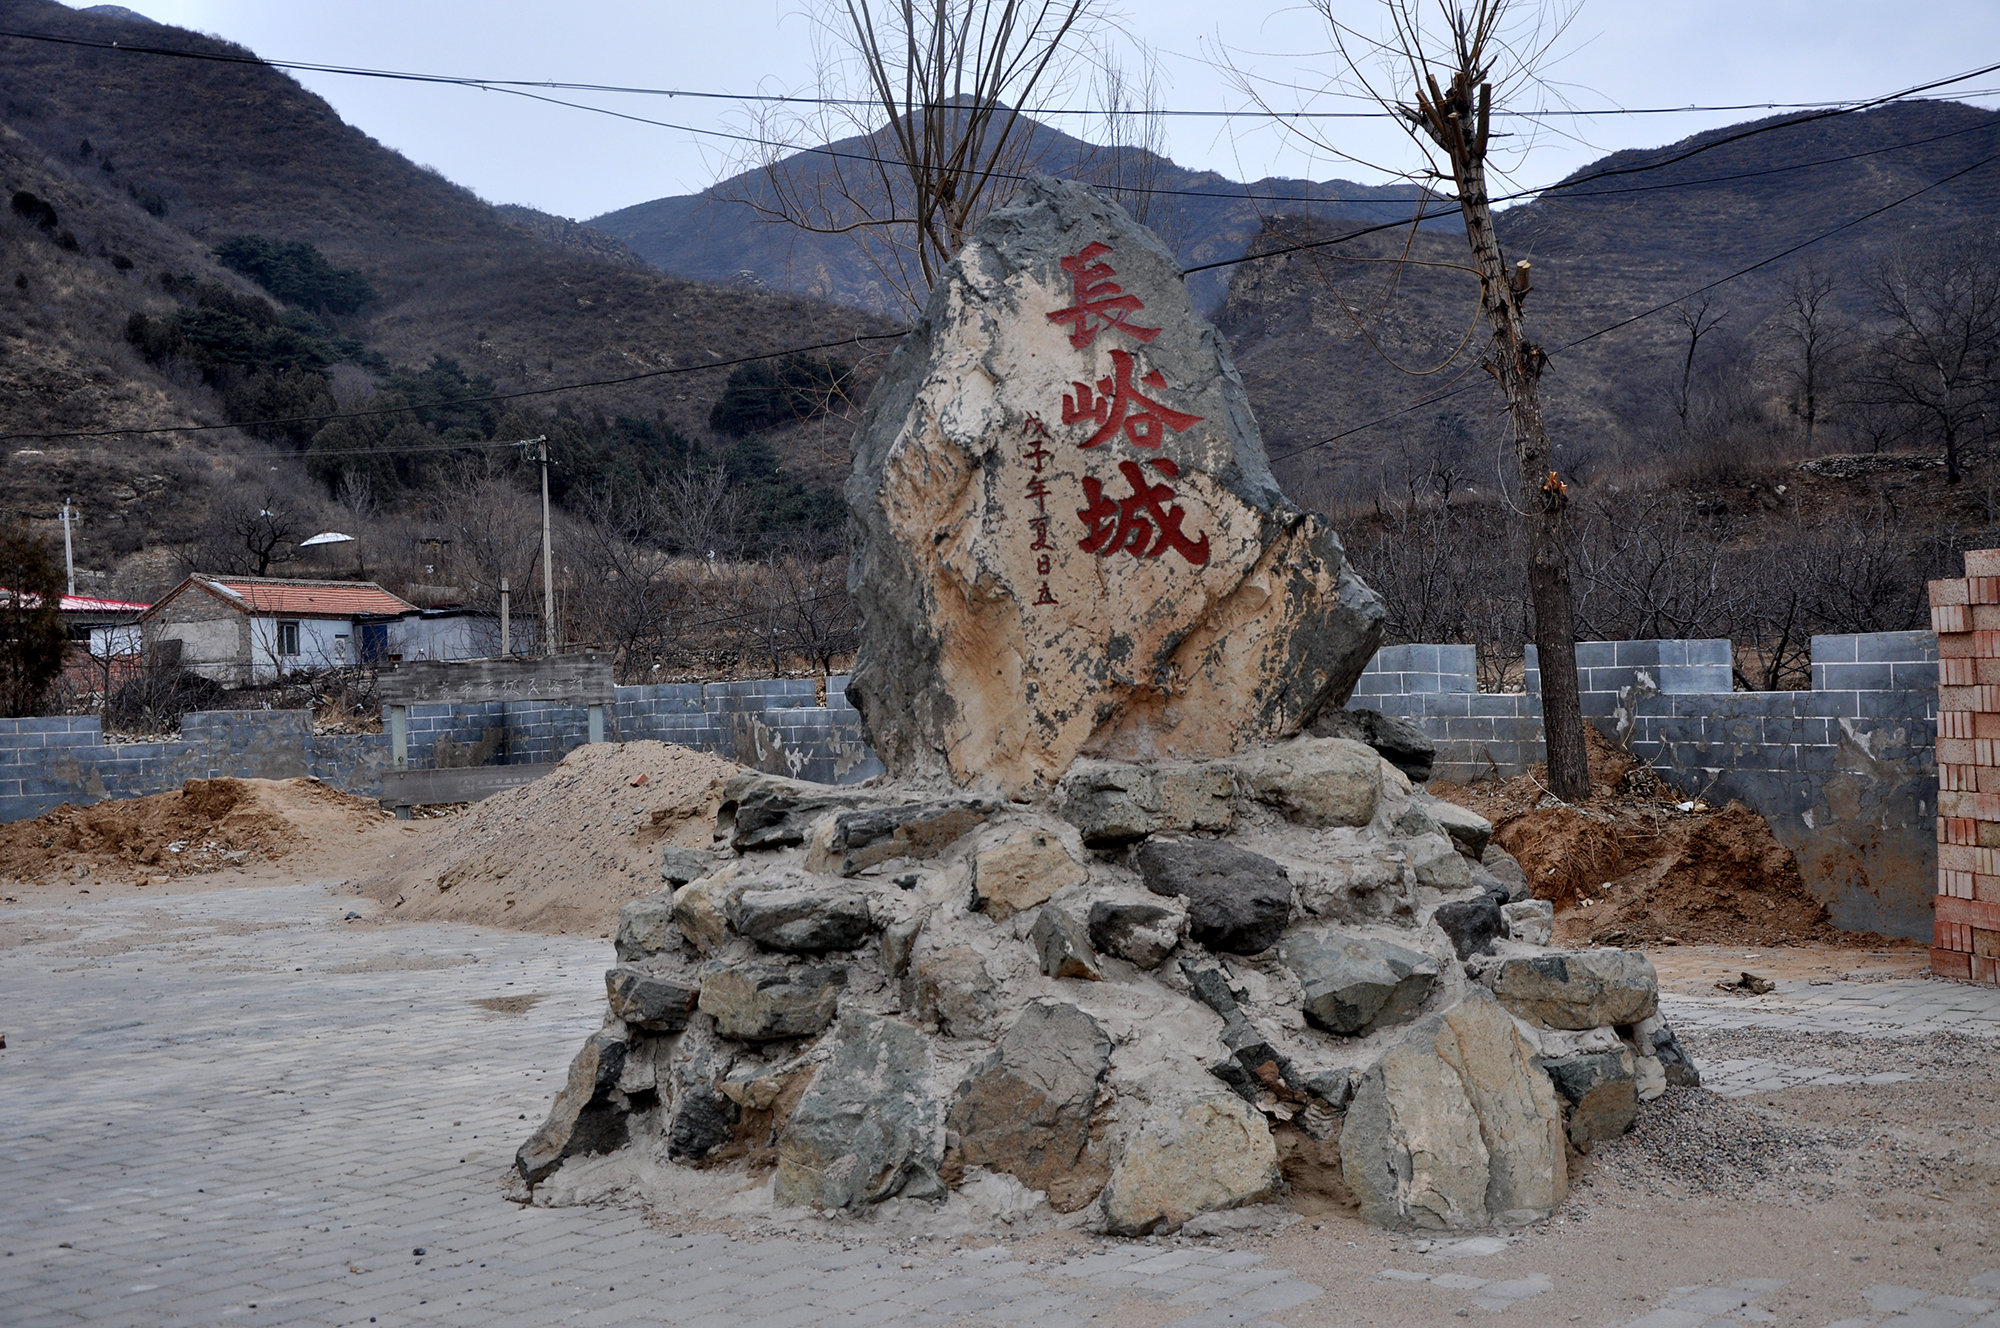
1413,821
762,811
954,604
867,1129
951,989
1600,1095
1470,832
1368,886
1142,934
1256,1070
1532,921
1472,924
1317,782
1238,901
1113,803
855,841
1577,990
1062,944
678,866
897,940
654,1004
1666,1048
701,1119
1502,866
1397,740
1355,985
1026,1110
800,919
588,1116
1454,1127
1437,862
646,928
766,1002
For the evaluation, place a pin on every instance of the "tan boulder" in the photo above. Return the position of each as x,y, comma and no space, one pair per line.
1020,868
1317,782
1189,1158
1455,1126
1071,541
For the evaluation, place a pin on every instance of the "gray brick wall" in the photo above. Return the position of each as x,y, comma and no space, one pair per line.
1846,773
772,724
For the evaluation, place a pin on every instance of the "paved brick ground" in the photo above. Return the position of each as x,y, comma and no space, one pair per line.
240,1108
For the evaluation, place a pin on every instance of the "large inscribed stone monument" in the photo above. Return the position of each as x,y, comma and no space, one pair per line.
1072,542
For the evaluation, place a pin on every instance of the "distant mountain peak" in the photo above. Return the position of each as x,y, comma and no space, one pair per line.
118,12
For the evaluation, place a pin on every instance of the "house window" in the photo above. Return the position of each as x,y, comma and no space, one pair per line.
288,638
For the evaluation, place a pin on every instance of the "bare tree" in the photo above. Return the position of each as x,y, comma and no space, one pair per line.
635,597
1815,339
935,89
1940,360
248,532
701,516
1440,78
1697,320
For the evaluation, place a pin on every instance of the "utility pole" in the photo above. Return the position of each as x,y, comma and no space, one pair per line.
69,552
541,446
505,643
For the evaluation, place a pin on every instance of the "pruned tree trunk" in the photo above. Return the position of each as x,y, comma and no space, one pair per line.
1457,123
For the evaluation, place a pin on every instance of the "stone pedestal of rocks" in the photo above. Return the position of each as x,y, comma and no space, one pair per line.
1134,933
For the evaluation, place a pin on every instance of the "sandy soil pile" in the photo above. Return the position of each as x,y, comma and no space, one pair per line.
209,825
1629,867
564,853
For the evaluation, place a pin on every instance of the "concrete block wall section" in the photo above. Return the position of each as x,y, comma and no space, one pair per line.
1965,941
776,725
1847,773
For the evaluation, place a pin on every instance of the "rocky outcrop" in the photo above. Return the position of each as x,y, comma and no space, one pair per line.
1455,1126
1062,944
1071,543
850,842
1472,924
760,811
1600,1095
1027,1109
1238,901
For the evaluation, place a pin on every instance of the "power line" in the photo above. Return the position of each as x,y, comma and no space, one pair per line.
1627,322
783,99
522,89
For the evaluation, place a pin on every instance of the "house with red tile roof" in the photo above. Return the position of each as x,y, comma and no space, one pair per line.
241,630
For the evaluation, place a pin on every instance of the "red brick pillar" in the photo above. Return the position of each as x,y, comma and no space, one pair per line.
1965,613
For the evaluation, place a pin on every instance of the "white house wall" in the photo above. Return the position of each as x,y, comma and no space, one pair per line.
324,643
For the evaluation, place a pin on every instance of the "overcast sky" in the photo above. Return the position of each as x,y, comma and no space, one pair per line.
578,163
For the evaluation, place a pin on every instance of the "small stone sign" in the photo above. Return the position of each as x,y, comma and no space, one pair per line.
1072,541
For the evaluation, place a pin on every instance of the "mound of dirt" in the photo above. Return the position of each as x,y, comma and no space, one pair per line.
1638,864
209,825
564,853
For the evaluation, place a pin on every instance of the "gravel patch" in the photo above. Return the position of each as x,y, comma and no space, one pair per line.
1697,1143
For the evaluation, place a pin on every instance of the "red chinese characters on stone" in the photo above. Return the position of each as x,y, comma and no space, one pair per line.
1100,302
1142,525
1117,404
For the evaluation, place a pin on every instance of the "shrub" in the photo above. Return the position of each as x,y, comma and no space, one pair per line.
296,272
766,393
36,210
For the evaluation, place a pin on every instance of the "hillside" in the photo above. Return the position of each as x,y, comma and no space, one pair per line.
1601,253
721,235
151,162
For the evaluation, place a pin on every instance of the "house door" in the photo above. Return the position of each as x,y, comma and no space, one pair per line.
374,642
